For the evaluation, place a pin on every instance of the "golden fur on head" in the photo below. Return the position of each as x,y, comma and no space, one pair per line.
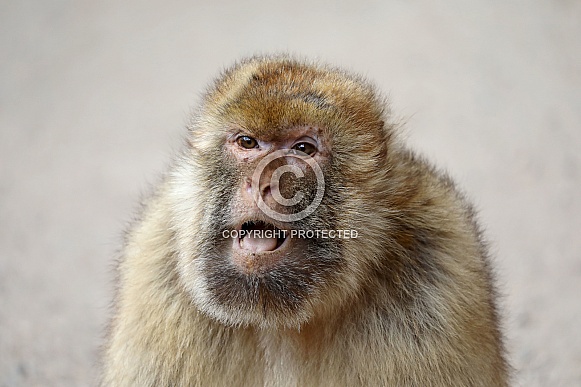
409,302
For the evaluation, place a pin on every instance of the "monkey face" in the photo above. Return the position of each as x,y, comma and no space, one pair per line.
268,167
254,268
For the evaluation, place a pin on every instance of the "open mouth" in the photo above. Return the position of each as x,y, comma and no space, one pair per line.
258,236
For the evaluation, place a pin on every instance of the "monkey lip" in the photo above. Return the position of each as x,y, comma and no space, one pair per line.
260,246
257,236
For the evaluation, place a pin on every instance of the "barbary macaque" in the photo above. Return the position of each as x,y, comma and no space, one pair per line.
295,241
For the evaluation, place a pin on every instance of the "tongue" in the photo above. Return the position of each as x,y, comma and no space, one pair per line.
257,244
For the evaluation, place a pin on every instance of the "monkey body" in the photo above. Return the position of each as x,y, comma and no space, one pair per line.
409,302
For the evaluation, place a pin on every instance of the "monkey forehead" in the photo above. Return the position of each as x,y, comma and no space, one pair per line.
263,93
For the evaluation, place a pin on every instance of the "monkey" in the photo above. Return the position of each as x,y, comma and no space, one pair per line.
296,240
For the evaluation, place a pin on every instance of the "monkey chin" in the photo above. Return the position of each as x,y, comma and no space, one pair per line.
269,283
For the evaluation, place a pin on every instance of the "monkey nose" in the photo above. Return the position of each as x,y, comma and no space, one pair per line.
268,188
264,190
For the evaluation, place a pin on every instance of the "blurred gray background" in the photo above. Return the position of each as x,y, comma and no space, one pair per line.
93,101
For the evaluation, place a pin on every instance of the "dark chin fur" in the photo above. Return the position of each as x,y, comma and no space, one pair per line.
282,295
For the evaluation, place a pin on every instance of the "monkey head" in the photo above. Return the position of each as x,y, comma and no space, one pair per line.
281,155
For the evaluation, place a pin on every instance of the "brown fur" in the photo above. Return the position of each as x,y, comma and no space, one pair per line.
410,302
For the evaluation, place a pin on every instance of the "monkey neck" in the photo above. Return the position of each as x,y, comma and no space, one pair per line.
313,336
301,350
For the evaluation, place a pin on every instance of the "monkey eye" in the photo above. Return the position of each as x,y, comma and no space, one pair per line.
305,147
247,142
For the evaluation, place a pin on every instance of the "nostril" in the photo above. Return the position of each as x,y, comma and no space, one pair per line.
266,191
